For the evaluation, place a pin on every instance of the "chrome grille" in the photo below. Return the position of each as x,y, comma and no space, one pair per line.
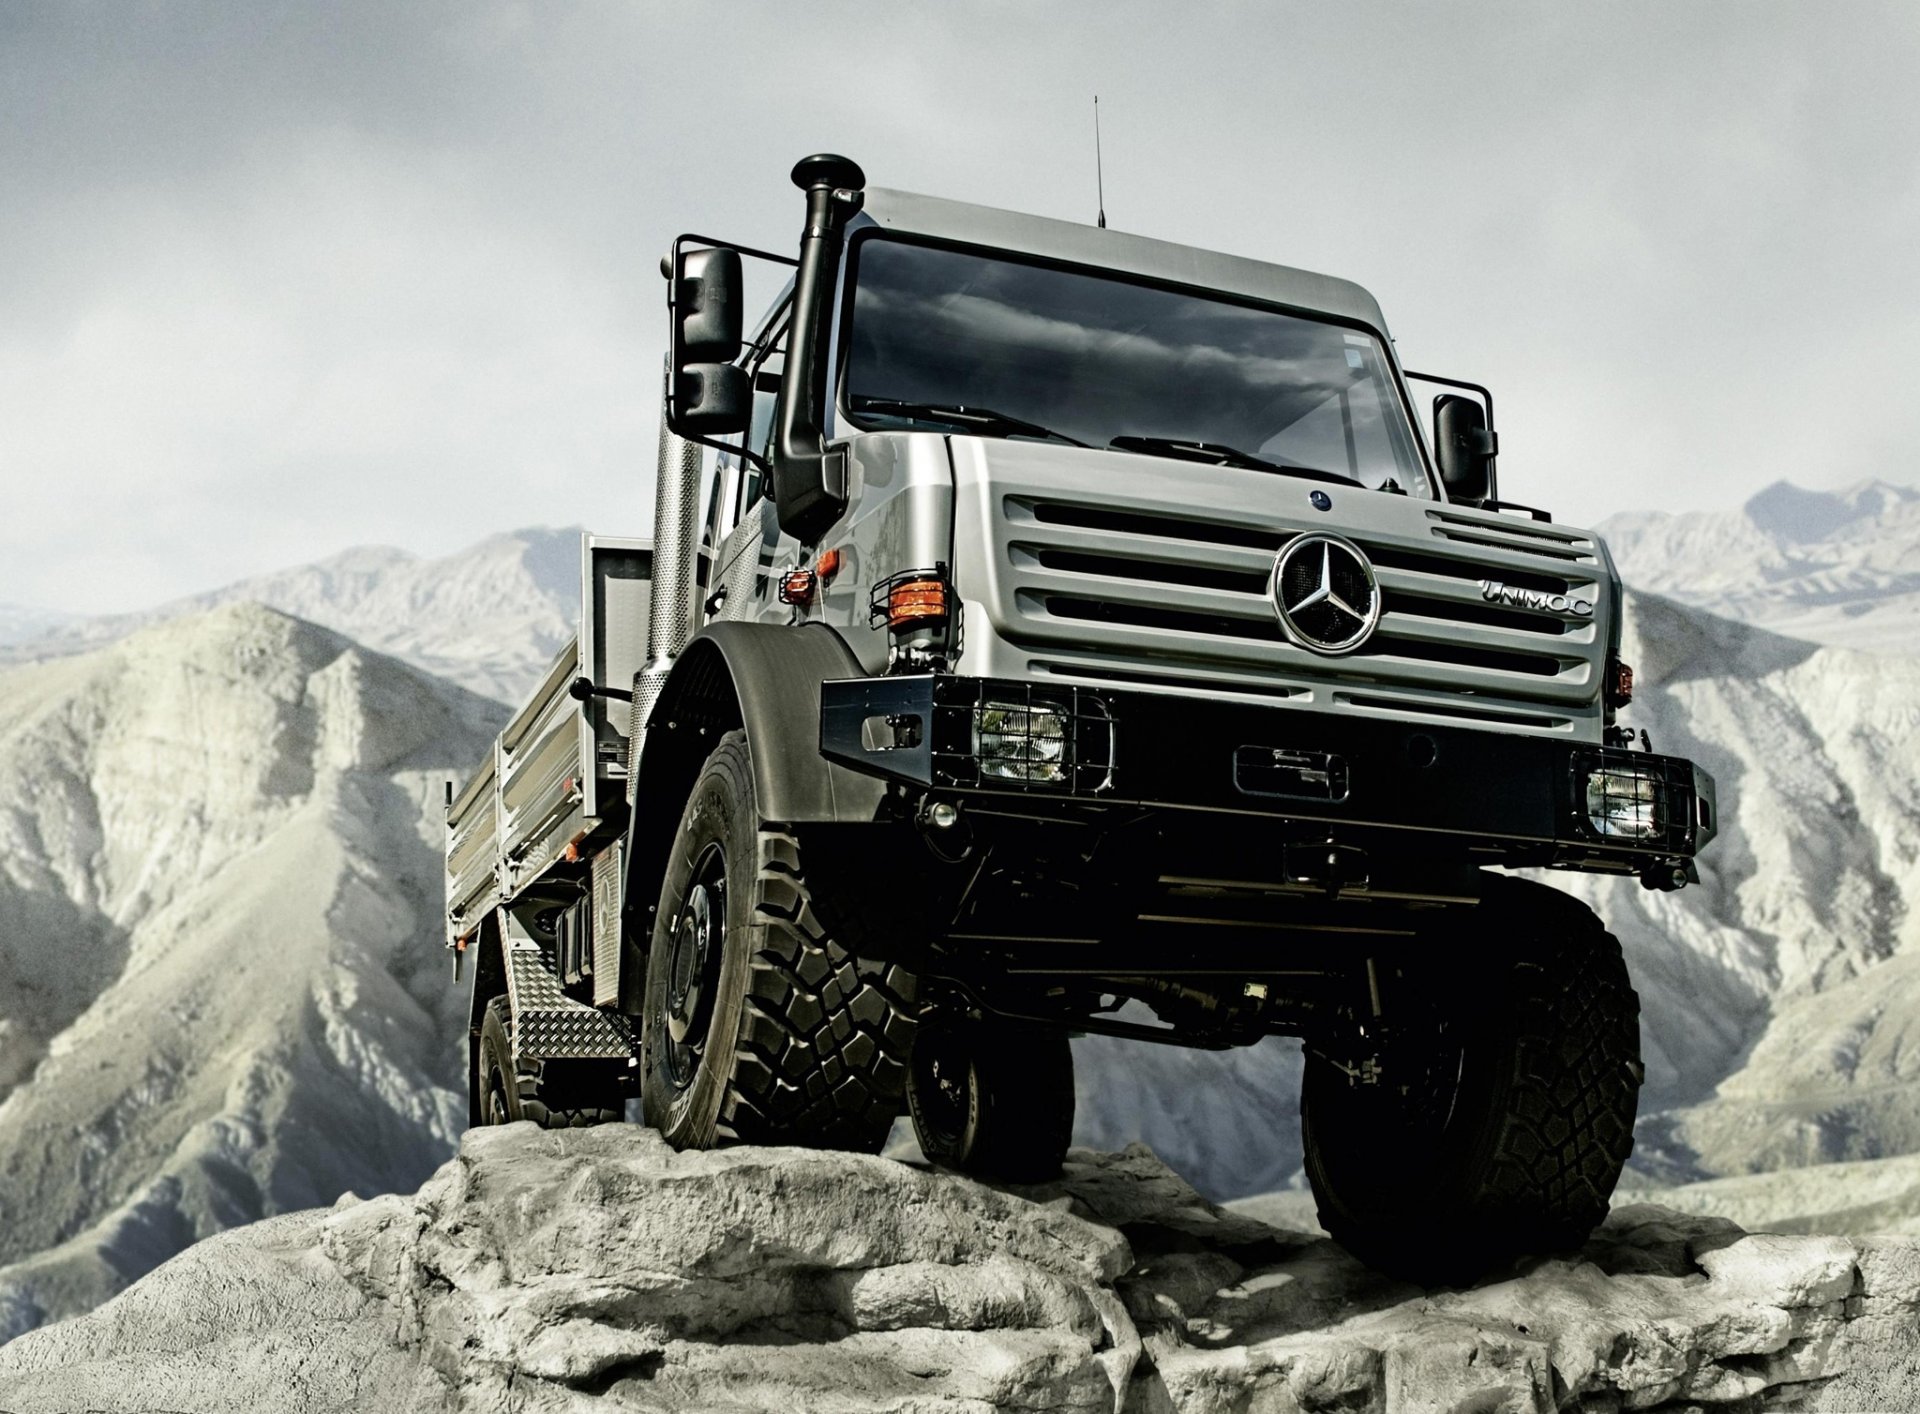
1114,591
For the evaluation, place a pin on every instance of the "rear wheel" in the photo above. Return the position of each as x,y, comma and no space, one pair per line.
758,1025
1503,1112
992,1100
554,1094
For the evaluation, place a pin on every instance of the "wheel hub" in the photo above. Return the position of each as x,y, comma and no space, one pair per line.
942,1077
498,1111
693,965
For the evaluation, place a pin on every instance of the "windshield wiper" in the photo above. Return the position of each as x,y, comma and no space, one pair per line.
1216,454
964,415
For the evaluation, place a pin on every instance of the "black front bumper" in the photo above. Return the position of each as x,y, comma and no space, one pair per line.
1501,797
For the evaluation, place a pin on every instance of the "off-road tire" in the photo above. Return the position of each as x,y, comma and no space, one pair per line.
992,1100
1505,1109
553,1094
806,1044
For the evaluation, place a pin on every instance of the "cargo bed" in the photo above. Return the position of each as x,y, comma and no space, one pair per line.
557,774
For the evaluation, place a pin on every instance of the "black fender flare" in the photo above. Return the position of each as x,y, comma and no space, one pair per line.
766,679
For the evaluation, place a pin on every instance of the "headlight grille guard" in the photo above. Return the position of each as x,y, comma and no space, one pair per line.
1676,803
927,728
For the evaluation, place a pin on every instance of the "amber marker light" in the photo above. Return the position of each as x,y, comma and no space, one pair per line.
916,601
1619,683
797,586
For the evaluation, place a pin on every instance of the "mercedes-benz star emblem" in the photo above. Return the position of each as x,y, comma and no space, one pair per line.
1325,593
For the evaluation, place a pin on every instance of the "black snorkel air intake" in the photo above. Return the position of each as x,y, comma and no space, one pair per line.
810,479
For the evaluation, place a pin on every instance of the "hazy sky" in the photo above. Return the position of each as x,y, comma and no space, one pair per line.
276,280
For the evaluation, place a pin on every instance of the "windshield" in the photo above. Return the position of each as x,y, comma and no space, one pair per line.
965,342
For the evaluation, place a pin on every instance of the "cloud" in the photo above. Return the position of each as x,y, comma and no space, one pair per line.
276,279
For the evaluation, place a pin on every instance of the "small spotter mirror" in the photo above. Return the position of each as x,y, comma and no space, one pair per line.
1466,447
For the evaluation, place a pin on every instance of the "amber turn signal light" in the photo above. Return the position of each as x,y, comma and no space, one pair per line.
797,586
916,601
1619,683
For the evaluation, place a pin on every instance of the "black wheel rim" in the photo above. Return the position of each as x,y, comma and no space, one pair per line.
693,967
497,1111
1430,1094
942,1086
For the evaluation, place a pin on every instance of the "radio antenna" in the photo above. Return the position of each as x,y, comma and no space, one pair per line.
1099,174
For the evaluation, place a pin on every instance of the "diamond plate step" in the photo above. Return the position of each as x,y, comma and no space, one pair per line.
550,1025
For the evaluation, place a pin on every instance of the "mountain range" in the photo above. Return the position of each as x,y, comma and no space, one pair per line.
489,617
221,990
1835,567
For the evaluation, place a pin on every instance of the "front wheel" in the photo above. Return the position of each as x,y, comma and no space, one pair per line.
1503,1110
758,1025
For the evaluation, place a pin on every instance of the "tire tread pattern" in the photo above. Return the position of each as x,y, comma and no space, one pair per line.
1568,1130
1562,1085
821,1056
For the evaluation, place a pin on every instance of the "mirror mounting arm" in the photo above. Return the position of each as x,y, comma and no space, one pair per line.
706,396
809,478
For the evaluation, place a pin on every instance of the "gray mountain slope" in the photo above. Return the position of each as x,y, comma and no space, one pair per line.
1836,567
1780,994
21,622
219,896
489,617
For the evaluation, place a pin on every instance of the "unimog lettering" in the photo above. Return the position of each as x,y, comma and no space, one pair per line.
1001,668
1499,593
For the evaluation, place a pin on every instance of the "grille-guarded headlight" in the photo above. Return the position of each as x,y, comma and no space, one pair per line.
1016,741
1625,803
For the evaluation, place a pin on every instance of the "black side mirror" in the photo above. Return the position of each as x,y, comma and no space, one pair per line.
710,394
711,399
1466,447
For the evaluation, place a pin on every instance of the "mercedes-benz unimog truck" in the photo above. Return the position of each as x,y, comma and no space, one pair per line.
1046,631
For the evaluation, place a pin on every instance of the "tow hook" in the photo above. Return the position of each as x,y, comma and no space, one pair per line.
1327,866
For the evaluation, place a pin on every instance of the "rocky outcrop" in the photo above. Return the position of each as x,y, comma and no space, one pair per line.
597,1269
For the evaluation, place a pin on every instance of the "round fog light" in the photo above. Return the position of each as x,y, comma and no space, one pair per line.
943,815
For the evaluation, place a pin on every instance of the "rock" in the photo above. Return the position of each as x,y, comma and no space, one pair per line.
599,1270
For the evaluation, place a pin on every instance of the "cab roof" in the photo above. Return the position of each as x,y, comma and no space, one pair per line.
1074,244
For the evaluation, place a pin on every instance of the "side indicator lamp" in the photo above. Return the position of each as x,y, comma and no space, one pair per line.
797,587
1619,682
916,601
922,613
908,600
